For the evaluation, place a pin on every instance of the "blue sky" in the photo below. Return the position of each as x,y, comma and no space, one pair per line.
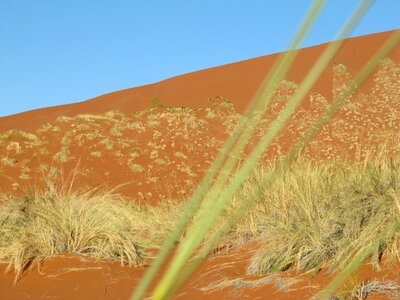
57,51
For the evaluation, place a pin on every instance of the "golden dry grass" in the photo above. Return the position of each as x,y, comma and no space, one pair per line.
58,220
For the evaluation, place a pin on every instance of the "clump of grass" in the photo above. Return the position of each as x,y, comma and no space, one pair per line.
25,173
320,213
374,287
48,127
156,222
136,168
57,220
83,127
109,144
7,161
136,125
115,114
15,147
180,154
96,153
16,133
62,155
355,289
116,130
63,119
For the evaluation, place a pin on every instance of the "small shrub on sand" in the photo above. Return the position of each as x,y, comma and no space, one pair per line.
7,161
355,289
55,221
15,133
62,155
14,147
48,127
96,153
136,168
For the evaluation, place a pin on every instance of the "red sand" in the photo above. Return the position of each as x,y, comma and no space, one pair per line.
73,277
237,82
70,277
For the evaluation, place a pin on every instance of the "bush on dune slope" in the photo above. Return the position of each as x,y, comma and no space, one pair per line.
57,220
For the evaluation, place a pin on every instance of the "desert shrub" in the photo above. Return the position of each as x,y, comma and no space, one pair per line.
55,221
7,161
319,213
62,155
136,168
96,153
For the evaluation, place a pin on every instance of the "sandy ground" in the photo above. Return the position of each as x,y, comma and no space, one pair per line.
220,277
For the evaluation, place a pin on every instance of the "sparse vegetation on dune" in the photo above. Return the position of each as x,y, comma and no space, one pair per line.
314,216
149,142
322,211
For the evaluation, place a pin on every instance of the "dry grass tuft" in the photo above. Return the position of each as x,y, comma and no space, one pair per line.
362,290
98,223
280,283
388,288
323,212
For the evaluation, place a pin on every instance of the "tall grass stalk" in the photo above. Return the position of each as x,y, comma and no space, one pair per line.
263,95
278,71
194,239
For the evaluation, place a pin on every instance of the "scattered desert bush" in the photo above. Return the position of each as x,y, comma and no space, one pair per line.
96,153
62,155
57,220
136,168
323,213
361,290
7,161
41,224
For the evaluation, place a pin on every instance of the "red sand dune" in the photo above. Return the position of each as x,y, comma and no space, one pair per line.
237,82
70,277
106,158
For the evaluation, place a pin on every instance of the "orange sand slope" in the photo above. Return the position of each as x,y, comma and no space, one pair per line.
162,152
237,82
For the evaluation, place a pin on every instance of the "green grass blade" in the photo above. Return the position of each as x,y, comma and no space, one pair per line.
263,97
289,109
193,204
308,82
284,65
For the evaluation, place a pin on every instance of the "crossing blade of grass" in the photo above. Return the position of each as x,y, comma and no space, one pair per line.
282,65
278,124
191,242
254,112
311,78
304,88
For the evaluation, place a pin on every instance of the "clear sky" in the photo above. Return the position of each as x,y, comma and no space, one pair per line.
62,51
